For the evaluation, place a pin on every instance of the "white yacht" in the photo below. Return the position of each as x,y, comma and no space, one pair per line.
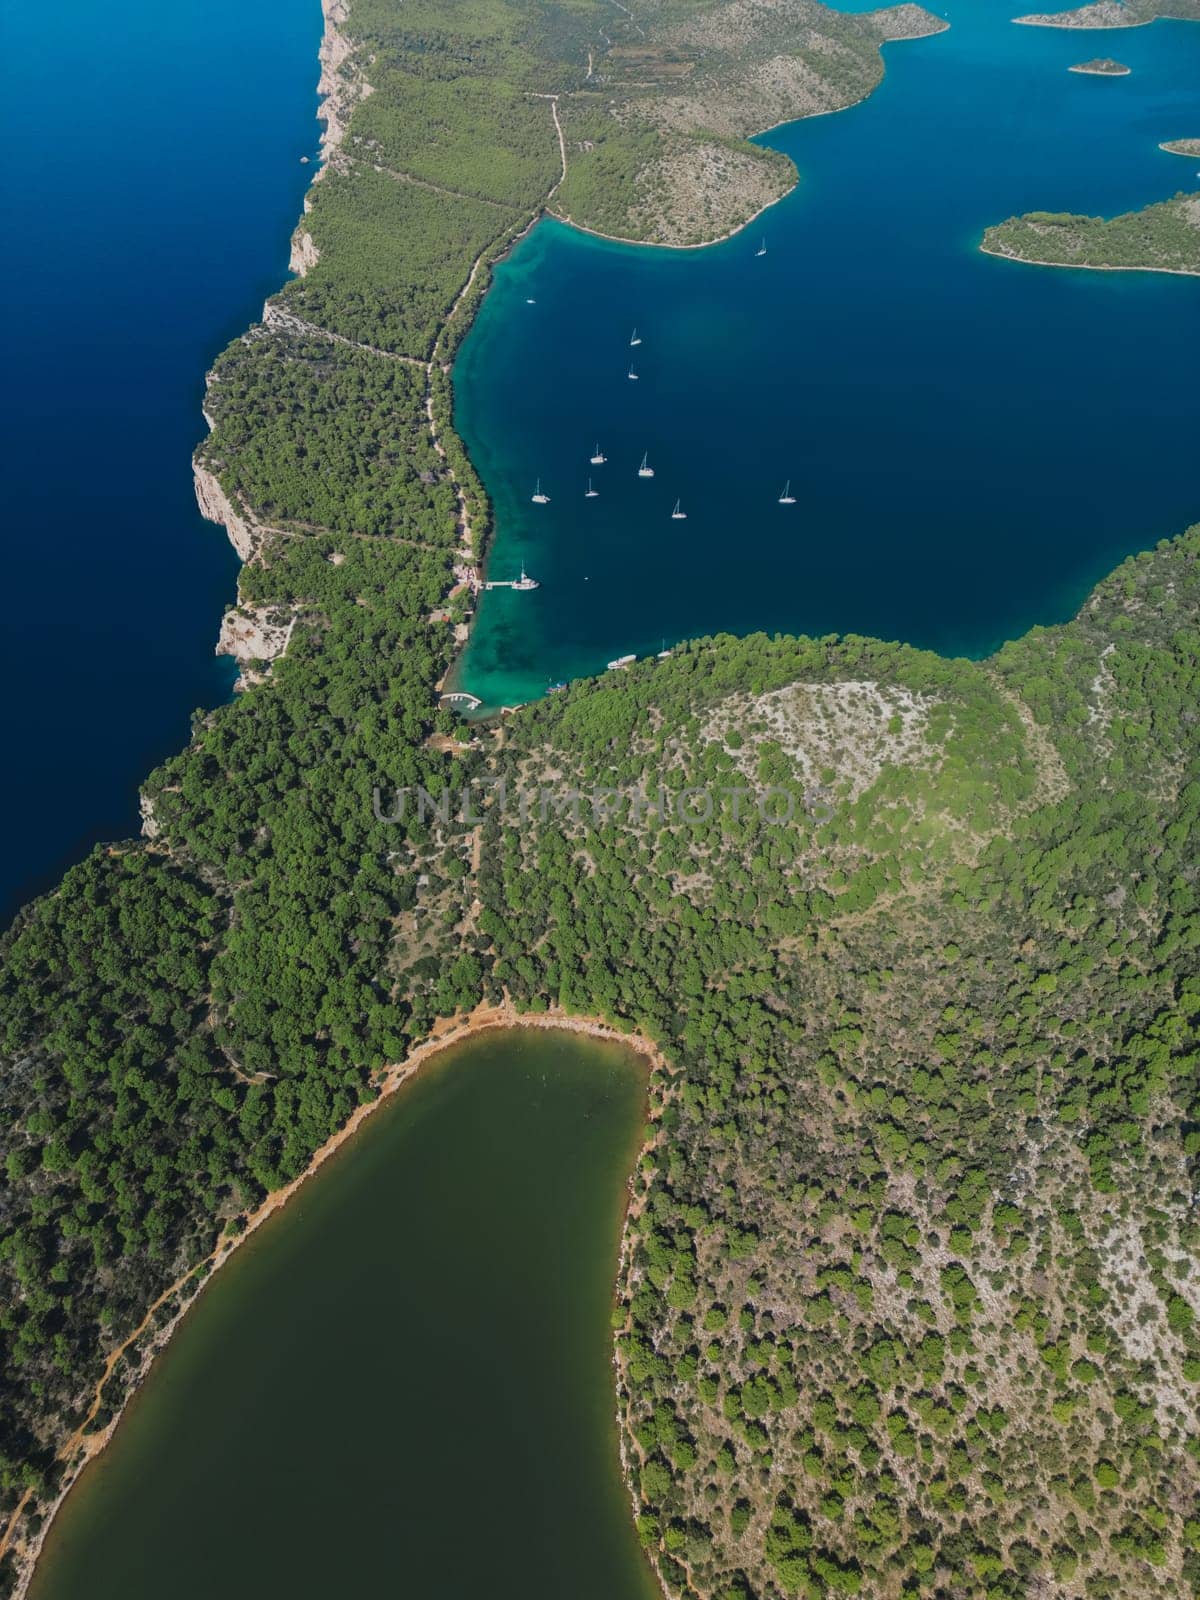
621,661
646,470
598,457
762,249
678,515
633,374
540,499
525,582
633,338
787,498
589,492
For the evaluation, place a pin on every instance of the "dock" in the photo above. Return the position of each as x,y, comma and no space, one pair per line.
521,585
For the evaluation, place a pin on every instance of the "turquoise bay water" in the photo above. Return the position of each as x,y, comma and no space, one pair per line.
150,183
972,442
401,1387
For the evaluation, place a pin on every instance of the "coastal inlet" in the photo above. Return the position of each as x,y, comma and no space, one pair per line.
970,442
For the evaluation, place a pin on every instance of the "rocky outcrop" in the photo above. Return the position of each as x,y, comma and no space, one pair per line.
254,636
216,506
150,823
305,254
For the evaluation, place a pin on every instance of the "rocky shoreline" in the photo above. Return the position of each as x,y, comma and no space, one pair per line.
254,636
1102,67
1164,237
1102,14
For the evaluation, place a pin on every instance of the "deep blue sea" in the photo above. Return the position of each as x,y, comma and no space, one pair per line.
150,182
971,442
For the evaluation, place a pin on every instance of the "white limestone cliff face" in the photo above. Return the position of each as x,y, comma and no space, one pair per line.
340,86
305,254
216,506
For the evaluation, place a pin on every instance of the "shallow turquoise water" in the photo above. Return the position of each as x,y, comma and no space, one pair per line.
972,442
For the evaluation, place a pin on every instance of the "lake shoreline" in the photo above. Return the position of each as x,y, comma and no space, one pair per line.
446,1034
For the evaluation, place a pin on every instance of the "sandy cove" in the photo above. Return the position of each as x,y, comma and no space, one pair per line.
81,1448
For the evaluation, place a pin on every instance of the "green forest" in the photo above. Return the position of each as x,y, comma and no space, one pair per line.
909,1299
393,256
313,434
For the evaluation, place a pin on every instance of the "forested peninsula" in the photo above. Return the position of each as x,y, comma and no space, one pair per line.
1161,238
1115,14
908,1298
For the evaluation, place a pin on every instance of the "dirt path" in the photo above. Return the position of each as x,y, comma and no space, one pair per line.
423,183
562,143
275,317
562,147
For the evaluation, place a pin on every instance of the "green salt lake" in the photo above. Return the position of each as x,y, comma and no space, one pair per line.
402,1384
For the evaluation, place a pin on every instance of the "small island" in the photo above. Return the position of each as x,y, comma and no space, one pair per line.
1182,147
1161,238
1102,67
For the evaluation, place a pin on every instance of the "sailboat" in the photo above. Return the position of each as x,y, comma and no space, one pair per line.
633,338
762,249
540,499
678,515
590,493
632,373
646,470
787,498
598,457
525,582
